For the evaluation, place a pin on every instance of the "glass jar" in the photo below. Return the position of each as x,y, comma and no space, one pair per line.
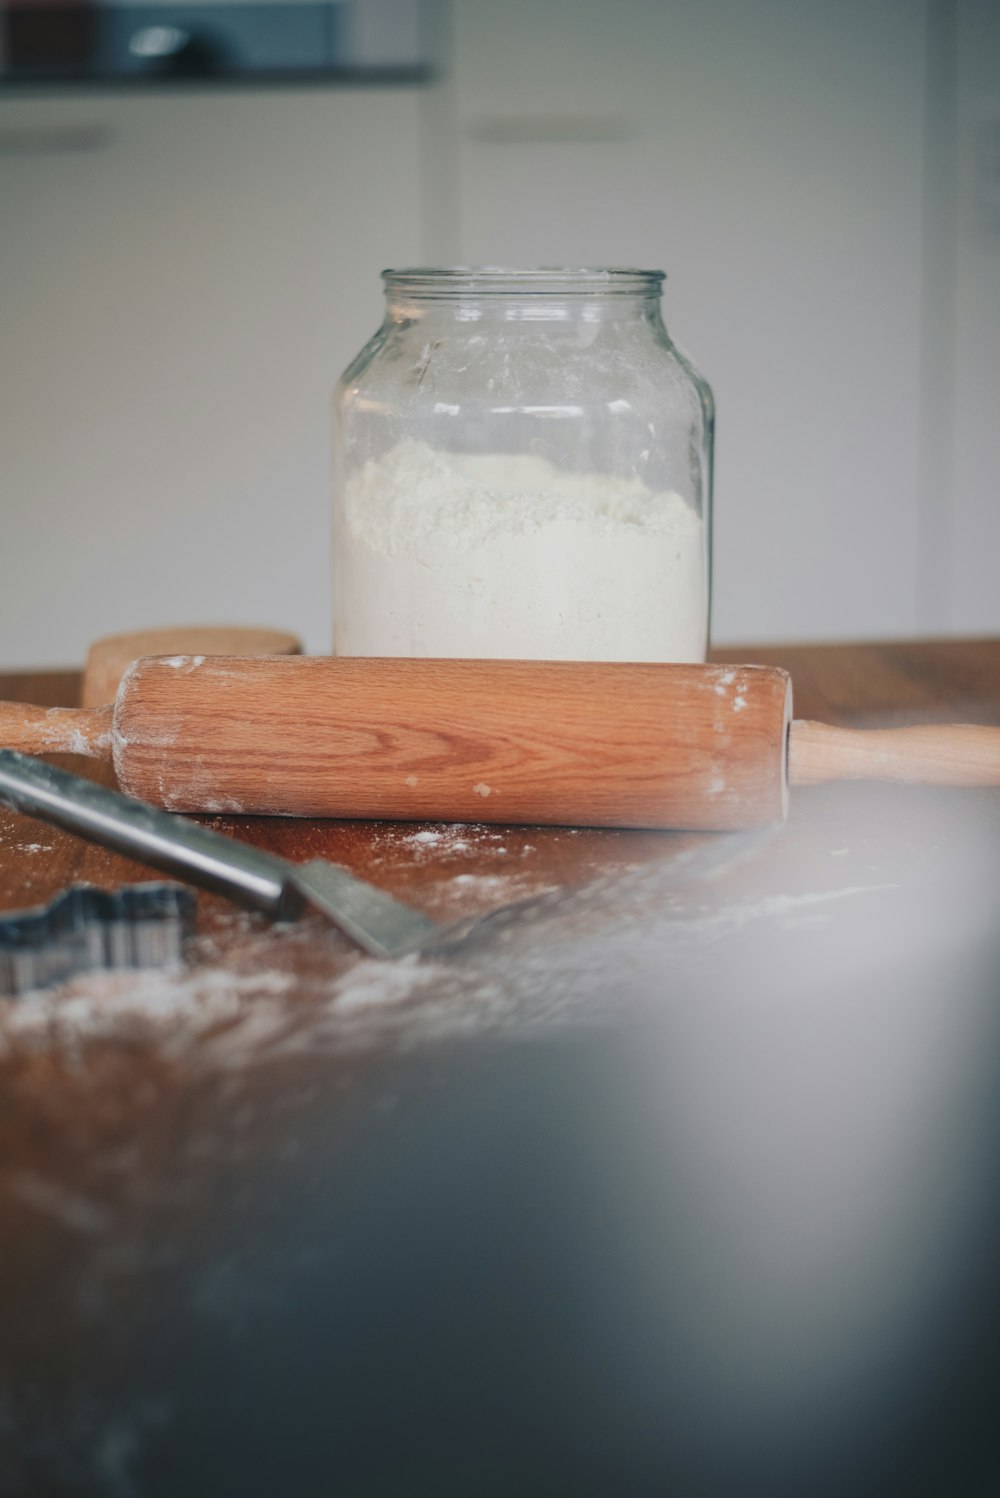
522,470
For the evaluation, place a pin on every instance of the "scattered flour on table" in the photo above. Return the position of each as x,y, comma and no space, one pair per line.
560,959
462,893
373,984
158,1000
432,844
506,555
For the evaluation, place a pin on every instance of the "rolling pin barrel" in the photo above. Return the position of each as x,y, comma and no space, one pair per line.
573,743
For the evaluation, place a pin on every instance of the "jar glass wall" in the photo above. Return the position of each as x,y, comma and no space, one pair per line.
522,469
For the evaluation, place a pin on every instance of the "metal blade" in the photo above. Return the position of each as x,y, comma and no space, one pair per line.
383,926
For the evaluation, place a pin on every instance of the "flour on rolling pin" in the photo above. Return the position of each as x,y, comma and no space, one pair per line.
505,555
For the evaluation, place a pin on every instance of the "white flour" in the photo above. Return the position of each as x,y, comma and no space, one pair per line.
443,554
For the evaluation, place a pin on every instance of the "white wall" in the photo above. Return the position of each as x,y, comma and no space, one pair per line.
769,156
175,306
975,552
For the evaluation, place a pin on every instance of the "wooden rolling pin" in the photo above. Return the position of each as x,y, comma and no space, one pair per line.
576,743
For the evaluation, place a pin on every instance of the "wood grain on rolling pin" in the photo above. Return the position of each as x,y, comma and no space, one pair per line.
487,741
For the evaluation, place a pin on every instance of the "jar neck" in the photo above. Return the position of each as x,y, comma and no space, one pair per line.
465,294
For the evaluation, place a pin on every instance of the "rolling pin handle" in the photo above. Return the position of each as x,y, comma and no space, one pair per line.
927,754
56,730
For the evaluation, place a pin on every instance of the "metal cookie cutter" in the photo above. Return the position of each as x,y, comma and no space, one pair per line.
85,929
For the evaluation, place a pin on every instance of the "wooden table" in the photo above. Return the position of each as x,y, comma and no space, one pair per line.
678,1180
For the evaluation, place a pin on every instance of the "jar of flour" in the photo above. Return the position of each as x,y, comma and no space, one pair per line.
522,469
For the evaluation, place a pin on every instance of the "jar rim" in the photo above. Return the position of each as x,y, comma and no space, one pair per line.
502,280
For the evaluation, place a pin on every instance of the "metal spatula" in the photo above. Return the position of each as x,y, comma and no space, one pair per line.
380,924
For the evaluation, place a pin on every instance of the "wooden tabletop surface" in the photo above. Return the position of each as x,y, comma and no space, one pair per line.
286,1181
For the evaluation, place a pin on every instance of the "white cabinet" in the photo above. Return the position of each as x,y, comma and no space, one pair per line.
768,156
182,278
